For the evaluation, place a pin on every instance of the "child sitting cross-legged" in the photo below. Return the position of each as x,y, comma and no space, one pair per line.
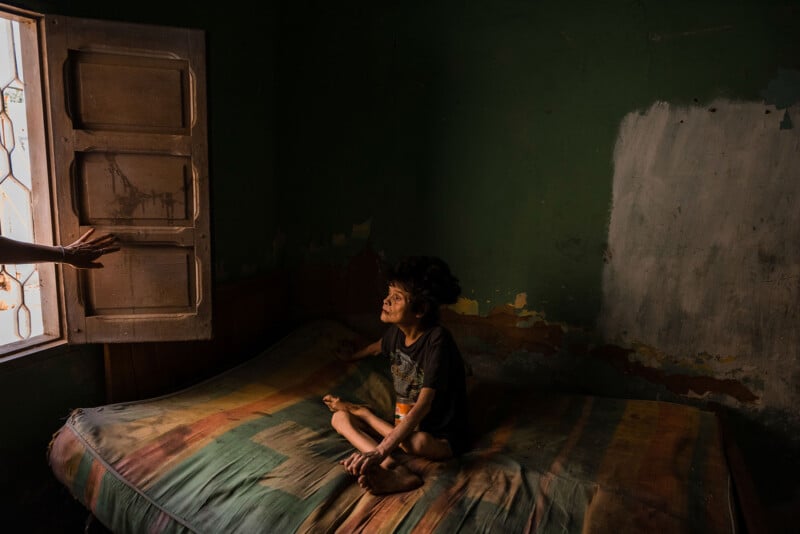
429,382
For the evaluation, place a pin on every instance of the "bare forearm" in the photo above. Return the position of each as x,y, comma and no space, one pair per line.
82,253
360,462
370,350
403,430
12,251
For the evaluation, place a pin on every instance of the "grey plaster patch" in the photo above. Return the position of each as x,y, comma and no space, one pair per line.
704,240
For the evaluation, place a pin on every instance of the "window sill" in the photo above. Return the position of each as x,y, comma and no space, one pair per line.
30,352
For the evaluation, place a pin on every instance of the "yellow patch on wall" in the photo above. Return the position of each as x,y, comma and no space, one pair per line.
361,231
520,301
465,306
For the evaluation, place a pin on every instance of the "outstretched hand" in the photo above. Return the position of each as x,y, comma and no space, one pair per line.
84,251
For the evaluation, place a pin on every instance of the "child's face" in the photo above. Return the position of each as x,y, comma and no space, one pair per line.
397,307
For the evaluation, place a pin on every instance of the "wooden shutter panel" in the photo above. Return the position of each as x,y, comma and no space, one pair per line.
127,106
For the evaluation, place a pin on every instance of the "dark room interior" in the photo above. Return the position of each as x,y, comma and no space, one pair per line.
563,158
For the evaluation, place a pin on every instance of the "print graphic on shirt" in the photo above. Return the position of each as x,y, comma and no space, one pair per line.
407,376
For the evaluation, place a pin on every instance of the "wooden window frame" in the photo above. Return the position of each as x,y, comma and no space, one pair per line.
169,259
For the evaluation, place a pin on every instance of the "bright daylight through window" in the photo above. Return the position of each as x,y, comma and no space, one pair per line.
76,95
20,285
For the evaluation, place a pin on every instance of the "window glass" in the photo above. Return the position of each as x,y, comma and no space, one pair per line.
20,295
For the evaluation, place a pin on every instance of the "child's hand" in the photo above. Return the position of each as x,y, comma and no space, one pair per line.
359,463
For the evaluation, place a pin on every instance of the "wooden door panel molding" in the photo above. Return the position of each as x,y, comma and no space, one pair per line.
128,93
130,156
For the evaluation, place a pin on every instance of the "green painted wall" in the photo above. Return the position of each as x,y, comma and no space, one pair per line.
484,131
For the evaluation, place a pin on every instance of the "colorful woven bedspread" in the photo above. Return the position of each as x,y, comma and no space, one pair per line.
252,451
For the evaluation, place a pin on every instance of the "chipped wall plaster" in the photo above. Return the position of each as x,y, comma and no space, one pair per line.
703,268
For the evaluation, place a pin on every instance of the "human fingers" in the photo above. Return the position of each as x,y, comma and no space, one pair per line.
347,463
366,464
351,468
108,249
106,239
83,238
91,250
101,245
84,257
102,241
360,464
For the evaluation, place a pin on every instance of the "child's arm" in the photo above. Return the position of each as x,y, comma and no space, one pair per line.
370,350
409,424
360,462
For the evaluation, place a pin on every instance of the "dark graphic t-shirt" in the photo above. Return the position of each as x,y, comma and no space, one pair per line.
432,361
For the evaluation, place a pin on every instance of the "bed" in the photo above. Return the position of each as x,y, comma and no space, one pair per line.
252,450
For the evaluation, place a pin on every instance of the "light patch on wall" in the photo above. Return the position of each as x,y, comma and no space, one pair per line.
465,306
703,235
527,318
519,306
520,301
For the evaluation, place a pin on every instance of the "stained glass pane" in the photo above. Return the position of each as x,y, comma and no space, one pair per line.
14,101
5,163
16,215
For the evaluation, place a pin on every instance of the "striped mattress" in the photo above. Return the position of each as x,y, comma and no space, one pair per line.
252,450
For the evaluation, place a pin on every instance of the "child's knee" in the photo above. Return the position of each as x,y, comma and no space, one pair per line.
427,446
414,444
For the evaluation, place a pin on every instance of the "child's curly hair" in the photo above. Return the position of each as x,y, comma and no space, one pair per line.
428,281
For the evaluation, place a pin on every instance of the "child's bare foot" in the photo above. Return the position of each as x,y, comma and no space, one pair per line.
381,480
335,404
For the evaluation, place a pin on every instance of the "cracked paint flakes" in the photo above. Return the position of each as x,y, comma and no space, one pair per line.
502,328
720,366
520,307
467,306
692,386
706,275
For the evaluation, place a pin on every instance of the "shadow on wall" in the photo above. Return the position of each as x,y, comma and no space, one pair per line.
702,274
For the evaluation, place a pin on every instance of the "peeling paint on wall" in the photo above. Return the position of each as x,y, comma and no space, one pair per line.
501,329
703,257
465,306
695,386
